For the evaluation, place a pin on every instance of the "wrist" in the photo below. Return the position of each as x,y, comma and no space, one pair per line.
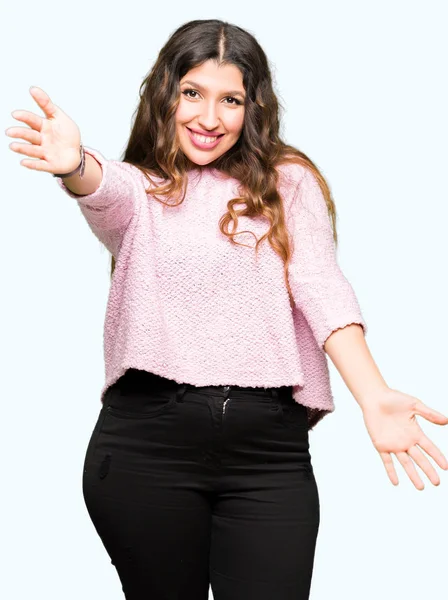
79,169
374,398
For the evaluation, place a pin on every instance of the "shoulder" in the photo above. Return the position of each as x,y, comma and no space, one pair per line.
294,177
291,175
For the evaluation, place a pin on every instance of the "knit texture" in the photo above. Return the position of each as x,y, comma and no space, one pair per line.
187,304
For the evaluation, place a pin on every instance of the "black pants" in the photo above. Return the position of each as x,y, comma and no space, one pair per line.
189,487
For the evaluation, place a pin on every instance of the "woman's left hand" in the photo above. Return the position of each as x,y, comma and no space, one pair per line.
392,425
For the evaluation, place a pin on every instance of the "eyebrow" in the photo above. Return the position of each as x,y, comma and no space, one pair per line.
199,86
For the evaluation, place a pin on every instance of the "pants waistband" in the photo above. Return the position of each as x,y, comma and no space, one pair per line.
137,379
225,390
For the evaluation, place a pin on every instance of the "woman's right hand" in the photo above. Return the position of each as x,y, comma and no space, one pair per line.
55,139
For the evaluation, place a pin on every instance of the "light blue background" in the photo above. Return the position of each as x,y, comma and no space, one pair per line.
365,94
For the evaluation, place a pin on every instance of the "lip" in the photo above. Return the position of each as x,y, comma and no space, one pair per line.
204,145
206,133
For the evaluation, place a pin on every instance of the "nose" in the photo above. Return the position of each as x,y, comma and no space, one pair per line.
208,120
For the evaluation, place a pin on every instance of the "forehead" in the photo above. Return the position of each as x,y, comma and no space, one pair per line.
211,77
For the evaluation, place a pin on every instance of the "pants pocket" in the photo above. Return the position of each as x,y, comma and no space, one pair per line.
139,404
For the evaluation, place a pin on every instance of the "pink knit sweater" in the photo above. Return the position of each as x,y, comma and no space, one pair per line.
187,304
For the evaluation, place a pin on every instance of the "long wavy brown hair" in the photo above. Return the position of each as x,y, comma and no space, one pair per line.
252,160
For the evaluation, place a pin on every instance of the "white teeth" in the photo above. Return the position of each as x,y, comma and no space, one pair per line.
202,138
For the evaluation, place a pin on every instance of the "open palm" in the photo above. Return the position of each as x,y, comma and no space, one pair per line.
393,428
54,139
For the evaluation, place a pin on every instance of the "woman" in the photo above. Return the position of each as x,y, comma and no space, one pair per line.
198,470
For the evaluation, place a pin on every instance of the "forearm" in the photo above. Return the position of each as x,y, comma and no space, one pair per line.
350,354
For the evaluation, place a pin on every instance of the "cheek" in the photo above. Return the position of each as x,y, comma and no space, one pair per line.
234,123
184,113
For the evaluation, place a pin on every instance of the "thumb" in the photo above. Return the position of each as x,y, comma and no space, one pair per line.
430,414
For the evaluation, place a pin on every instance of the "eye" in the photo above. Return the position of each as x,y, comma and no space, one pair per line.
236,100
186,92
235,103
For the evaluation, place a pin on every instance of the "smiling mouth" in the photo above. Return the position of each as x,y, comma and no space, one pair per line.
201,142
207,136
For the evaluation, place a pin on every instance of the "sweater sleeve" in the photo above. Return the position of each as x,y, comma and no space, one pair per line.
319,287
109,209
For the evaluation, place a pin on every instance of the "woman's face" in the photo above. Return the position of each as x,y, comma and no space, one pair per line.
212,103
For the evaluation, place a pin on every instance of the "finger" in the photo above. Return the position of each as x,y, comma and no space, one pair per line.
410,469
34,121
430,414
44,101
25,133
390,468
434,452
36,165
417,455
28,149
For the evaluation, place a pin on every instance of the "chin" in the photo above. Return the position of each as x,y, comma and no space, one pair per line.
202,160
